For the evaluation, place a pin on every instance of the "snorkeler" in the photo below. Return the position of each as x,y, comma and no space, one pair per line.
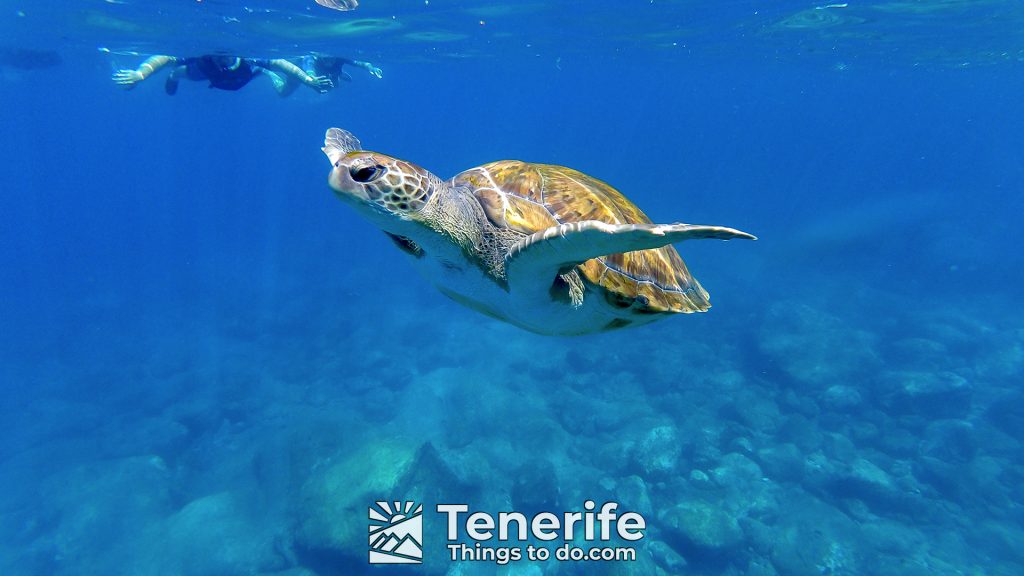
223,72
329,67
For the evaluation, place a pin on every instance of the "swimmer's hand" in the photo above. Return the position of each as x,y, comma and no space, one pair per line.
128,78
373,70
320,83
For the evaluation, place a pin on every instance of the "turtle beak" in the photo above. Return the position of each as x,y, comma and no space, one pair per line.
344,186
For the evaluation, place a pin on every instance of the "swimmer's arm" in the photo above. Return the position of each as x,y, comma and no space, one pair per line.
154,63
129,78
319,83
373,70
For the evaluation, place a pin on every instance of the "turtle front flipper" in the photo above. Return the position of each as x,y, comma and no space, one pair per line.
338,142
543,255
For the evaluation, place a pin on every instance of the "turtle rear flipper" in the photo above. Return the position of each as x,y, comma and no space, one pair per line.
557,249
338,143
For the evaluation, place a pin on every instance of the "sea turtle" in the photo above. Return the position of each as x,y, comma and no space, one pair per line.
342,5
544,247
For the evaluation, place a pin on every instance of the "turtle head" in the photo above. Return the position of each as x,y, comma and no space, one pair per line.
400,187
376,182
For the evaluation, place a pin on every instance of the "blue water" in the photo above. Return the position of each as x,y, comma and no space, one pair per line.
211,366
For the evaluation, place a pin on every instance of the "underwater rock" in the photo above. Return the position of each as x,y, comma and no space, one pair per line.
290,572
614,458
892,537
742,487
758,534
657,452
1006,414
738,485
584,413
986,474
919,354
944,477
897,441
504,411
479,463
841,398
645,565
754,409
535,487
928,394
782,462
737,473
516,569
800,404
813,554
760,567
93,514
162,436
863,480
666,557
742,445
700,529
815,348
1003,539
633,495
801,432
866,476
699,479
705,455
702,435
861,433
221,534
815,540
430,479
332,502
1002,359
839,448
950,440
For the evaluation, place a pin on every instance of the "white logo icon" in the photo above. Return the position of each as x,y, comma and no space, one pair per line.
396,533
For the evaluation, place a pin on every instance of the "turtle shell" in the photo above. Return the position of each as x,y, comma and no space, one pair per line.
532,197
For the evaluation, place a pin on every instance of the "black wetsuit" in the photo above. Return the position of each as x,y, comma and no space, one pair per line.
212,69
333,70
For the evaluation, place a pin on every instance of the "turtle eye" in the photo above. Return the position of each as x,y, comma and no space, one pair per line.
367,174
